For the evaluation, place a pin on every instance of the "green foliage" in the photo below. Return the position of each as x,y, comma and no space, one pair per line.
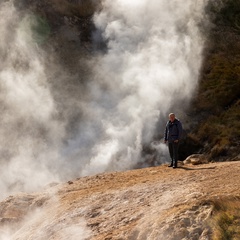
219,89
40,28
225,221
222,132
223,81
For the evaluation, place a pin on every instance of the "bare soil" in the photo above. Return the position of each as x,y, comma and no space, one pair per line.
151,203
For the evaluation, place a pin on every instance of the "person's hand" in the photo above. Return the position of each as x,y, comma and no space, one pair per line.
176,141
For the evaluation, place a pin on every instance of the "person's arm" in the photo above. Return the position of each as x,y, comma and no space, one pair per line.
179,130
166,133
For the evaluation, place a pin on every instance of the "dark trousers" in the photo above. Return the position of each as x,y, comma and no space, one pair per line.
173,151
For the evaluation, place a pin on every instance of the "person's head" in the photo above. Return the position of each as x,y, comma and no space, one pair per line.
171,117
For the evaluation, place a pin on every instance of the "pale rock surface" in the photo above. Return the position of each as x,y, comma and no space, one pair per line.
153,203
196,159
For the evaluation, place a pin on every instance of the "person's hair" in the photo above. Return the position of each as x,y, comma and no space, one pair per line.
170,114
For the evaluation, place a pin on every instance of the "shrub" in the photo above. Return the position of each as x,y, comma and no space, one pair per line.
218,94
225,220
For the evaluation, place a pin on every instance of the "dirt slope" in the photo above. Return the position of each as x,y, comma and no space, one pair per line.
152,203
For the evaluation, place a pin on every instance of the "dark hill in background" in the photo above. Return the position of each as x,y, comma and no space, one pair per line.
214,115
217,104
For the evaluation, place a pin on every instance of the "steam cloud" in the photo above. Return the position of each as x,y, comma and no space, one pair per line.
65,227
150,67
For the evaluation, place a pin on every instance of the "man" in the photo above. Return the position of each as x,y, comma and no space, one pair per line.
172,136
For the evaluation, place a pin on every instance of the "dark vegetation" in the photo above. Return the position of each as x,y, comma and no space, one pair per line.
217,104
225,219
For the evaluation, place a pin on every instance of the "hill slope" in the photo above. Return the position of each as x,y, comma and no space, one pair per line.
217,103
152,203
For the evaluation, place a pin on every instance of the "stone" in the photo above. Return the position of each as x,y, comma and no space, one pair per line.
195,159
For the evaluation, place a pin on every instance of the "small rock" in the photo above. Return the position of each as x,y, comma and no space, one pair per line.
195,159
181,233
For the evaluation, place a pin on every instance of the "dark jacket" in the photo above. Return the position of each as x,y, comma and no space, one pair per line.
173,131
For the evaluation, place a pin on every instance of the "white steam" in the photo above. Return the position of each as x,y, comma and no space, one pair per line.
41,224
151,67
53,129
29,135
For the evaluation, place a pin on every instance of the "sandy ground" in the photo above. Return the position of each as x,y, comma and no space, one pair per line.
152,203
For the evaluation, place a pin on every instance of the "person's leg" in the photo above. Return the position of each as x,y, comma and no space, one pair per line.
170,148
175,154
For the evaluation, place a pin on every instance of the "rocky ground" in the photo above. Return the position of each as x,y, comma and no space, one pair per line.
151,203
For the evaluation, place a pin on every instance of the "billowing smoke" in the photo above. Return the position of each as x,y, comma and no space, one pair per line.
151,67
53,127
29,133
39,224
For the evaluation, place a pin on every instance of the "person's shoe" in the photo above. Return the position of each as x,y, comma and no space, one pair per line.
170,165
174,166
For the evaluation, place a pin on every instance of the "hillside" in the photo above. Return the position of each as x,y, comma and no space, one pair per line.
85,92
217,102
192,202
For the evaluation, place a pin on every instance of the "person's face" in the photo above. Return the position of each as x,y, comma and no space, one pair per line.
172,118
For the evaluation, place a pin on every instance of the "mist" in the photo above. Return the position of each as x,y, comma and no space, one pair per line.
53,128
151,68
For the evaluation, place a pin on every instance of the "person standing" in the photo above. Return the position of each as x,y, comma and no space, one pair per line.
172,136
